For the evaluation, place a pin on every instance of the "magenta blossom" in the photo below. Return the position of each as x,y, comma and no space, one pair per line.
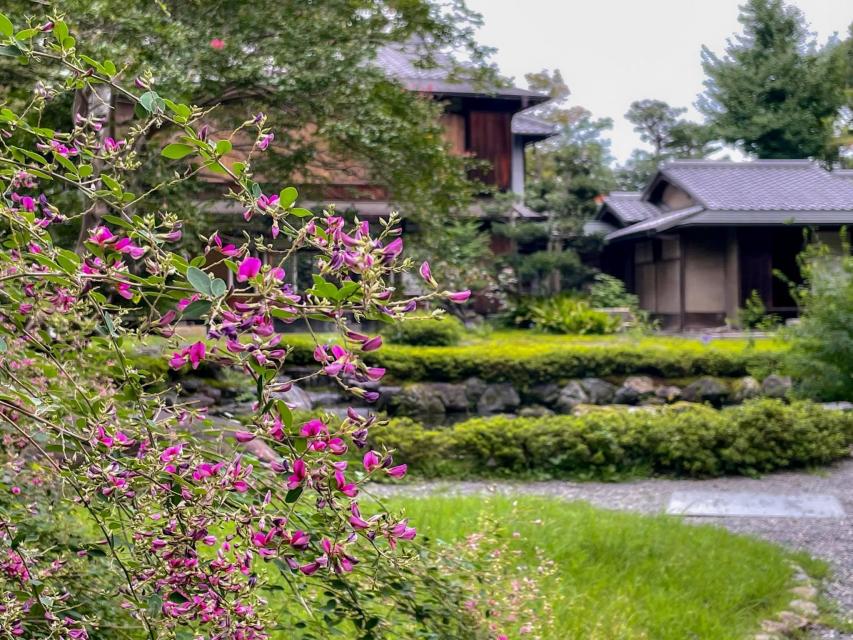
371,461
248,268
426,274
193,354
265,141
459,296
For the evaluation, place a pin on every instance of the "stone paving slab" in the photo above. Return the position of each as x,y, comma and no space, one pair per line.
749,504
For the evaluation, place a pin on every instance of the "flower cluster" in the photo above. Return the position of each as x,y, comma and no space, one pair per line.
190,518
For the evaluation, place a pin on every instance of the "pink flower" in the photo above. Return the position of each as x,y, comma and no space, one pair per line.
397,472
248,268
16,490
373,344
426,273
371,461
125,245
264,142
393,249
243,436
101,236
300,472
459,296
196,354
124,290
217,43
170,453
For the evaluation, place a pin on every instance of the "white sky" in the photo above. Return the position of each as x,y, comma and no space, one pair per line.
612,52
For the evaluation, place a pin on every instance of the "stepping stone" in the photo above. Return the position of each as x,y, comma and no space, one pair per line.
754,505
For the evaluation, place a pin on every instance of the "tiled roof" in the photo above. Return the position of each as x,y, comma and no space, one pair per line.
400,62
525,124
760,185
629,206
843,173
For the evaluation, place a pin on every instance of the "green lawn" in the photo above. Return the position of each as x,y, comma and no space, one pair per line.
627,576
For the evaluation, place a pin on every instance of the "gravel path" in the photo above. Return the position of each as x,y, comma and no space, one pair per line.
829,539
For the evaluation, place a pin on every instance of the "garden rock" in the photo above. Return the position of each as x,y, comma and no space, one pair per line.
417,399
634,390
453,396
474,388
668,394
776,386
546,394
745,388
535,411
598,391
707,389
296,398
571,395
497,398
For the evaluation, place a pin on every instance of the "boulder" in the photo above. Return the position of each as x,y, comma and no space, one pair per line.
535,411
668,394
707,389
474,388
634,390
598,391
416,399
546,394
498,398
453,396
745,388
571,396
776,386
296,398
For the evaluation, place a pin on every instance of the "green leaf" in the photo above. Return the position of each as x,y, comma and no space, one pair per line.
6,27
11,50
284,413
111,183
293,495
176,151
152,102
196,309
199,280
299,212
110,67
218,287
60,30
65,162
68,43
223,147
287,197
26,34
85,170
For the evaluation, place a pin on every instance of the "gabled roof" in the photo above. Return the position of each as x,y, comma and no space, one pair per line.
761,192
401,62
629,206
528,125
760,185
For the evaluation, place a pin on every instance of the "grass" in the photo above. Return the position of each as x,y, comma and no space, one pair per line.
625,576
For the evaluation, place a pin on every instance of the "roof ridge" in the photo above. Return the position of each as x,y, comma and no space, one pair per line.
803,162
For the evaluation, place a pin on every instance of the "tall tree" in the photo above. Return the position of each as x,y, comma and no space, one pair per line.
566,173
774,93
670,136
654,121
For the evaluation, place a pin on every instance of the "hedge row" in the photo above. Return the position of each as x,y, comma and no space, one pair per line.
528,363
681,440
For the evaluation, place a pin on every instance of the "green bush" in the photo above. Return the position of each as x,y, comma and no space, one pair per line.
525,359
567,314
607,291
821,355
428,332
682,440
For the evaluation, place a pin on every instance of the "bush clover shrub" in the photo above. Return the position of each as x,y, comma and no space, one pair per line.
571,315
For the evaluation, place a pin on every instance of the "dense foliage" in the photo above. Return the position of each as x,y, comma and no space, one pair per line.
774,93
685,440
526,360
130,514
821,353
442,331
571,315
310,67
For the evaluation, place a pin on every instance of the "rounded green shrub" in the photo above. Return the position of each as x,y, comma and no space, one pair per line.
445,331
681,440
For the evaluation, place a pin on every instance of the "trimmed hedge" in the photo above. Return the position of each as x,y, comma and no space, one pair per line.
681,440
526,360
